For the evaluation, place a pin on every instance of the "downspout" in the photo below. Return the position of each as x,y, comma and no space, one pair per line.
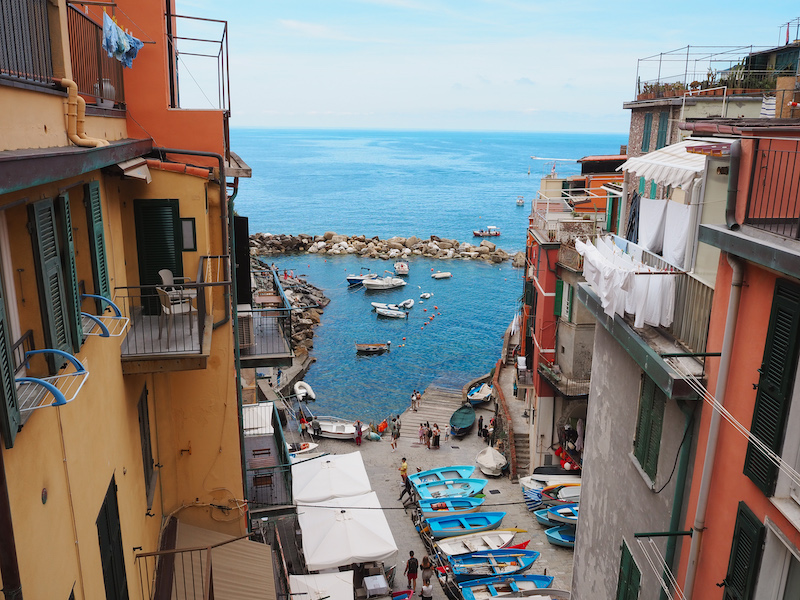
713,430
76,117
9,565
733,186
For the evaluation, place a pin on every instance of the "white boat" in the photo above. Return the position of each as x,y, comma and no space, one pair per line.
490,231
442,275
407,304
538,482
384,283
392,314
302,389
425,295
300,447
339,429
401,267
520,201
476,542
359,278
491,462
385,306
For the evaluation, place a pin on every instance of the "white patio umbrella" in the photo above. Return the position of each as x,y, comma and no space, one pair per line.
330,476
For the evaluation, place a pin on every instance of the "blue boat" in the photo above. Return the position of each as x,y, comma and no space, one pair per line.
480,394
543,519
462,420
491,563
441,527
563,514
442,473
563,535
447,506
451,488
508,585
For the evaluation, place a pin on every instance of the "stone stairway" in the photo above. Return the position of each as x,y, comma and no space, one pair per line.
523,449
437,406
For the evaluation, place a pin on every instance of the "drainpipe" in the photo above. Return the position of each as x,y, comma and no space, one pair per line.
76,117
9,566
733,186
713,431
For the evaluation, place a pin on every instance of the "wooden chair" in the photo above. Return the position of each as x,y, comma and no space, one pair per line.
170,308
176,294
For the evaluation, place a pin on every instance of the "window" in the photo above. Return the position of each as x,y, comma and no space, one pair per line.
147,448
779,575
94,216
189,233
112,555
648,426
646,129
642,182
563,300
775,384
663,129
9,410
748,534
629,576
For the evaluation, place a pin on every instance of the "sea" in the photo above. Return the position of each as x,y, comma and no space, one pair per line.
403,183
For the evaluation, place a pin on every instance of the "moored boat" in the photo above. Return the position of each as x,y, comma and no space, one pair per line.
480,393
490,231
373,348
564,514
442,473
441,275
507,585
425,295
520,200
491,563
406,304
451,525
451,488
543,518
303,391
383,283
391,313
475,542
538,482
565,493
401,267
299,448
491,462
441,507
359,278
339,429
462,420
563,535
377,305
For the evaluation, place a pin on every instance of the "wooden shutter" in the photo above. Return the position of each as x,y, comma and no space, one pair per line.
112,555
648,426
641,186
646,129
663,128
559,297
147,447
748,538
52,293
629,576
73,295
94,215
9,412
775,384
158,242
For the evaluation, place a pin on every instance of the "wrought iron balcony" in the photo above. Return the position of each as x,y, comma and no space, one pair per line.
773,202
569,388
25,53
265,329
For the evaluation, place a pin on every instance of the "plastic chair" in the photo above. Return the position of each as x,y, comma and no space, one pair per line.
170,308
180,294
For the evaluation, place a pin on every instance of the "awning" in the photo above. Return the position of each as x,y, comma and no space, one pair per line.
671,165
333,586
257,419
135,168
331,476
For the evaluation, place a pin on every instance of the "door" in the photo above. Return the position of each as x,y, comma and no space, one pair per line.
159,245
111,553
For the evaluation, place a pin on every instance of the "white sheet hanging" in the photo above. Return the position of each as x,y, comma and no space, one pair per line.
651,224
676,233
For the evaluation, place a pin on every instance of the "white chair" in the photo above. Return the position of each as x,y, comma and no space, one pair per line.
170,308
176,295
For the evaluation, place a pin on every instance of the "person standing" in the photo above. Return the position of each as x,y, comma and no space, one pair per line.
315,427
358,433
397,421
428,435
414,400
447,432
436,435
419,399
303,427
480,425
393,433
427,590
421,433
427,570
403,469
412,566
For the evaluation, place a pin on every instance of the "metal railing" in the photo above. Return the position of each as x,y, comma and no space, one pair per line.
20,348
773,203
25,53
569,257
266,329
95,73
569,388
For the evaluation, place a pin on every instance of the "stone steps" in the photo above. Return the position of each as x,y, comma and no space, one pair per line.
523,450
437,406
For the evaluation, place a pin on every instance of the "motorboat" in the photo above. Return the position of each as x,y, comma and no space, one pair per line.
510,586
480,393
439,508
425,295
475,542
391,313
491,563
462,420
401,267
564,514
451,525
563,535
339,429
565,493
373,348
491,462
451,488
442,474
520,200
490,231
385,305
407,304
303,391
384,283
359,278
441,275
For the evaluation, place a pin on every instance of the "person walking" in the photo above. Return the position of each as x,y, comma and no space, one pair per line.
447,432
412,566
427,590
397,421
414,400
421,433
303,427
407,489
419,399
428,435
427,569
394,434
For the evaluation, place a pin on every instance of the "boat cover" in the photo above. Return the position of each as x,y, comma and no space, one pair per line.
336,586
342,531
330,476
491,459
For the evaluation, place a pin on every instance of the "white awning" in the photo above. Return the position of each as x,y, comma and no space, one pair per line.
257,419
671,165
135,168
333,586
330,476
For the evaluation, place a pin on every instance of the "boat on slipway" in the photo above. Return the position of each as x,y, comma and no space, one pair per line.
476,542
480,393
491,462
336,428
453,525
491,563
439,508
564,514
442,474
451,488
563,535
462,420
383,283
509,586
565,493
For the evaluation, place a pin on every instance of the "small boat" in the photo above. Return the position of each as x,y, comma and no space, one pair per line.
491,462
452,488
373,348
391,313
402,594
441,275
491,563
442,473
339,429
537,482
563,535
565,493
303,391
440,508
462,420
480,393
460,524
425,295
475,542
490,231
564,514
299,448
383,283
384,305
533,499
407,304
508,586
543,518
401,267
359,278
520,200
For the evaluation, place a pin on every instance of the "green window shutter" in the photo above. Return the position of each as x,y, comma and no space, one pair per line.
748,537
663,128
72,292
609,211
643,420
641,186
570,303
629,576
646,129
9,412
559,297
648,427
52,292
775,384
94,214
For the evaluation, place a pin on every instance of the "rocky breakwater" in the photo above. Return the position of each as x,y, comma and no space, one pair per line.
265,244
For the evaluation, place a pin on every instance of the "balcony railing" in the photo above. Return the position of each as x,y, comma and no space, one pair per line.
556,221
265,329
96,74
569,388
25,54
773,203
569,257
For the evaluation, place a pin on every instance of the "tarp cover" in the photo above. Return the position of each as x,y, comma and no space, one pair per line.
670,165
330,476
342,531
335,586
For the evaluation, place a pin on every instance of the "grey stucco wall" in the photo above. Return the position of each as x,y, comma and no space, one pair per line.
616,500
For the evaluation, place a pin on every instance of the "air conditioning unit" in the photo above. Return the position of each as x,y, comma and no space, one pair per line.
247,337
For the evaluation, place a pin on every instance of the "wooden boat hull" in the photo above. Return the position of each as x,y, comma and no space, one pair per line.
441,527
485,233
439,508
508,586
491,563
467,544
563,535
563,514
442,474
451,488
462,420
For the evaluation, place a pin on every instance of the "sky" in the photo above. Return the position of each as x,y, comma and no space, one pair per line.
470,65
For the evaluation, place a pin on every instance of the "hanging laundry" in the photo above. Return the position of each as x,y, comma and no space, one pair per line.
676,233
651,224
120,45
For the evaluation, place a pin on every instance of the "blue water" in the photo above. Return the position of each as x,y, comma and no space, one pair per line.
402,183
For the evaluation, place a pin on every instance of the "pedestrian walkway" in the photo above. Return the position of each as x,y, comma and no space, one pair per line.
437,406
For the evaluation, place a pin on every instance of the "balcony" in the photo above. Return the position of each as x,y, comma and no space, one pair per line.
25,53
568,388
554,220
265,328
773,202
267,465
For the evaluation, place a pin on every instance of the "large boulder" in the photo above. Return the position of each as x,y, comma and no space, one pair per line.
487,244
483,250
519,259
445,245
328,235
410,242
337,239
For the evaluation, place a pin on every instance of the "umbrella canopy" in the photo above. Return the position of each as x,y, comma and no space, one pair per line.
330,476
335,586
342,531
